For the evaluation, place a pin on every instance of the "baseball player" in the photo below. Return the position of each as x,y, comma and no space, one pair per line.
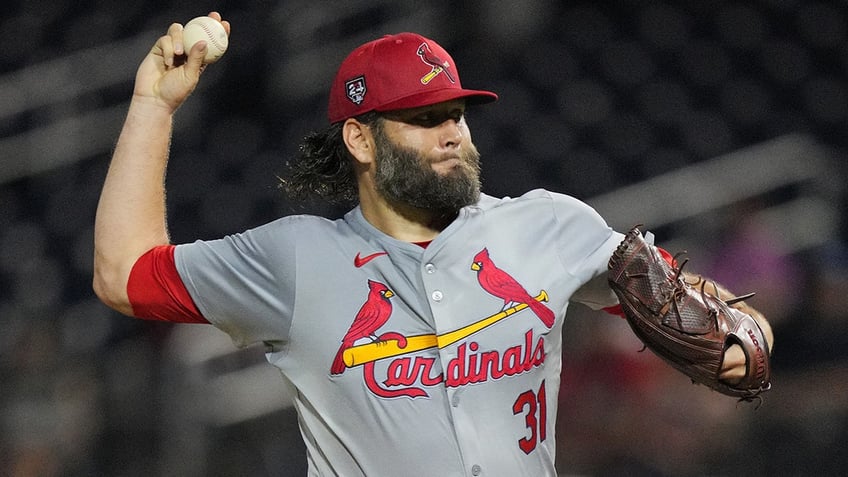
421,331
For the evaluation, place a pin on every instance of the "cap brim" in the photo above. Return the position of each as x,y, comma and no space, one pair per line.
427,98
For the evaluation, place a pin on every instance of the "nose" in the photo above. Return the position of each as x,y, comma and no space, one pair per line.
450,133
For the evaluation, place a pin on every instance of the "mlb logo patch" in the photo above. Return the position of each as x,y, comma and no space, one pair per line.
356,89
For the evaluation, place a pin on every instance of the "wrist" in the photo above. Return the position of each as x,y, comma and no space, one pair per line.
151,106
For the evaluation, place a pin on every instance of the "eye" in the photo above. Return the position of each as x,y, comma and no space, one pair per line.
457,115
434,118
424,119
428,119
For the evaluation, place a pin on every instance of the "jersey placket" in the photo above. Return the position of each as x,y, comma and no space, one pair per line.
438,288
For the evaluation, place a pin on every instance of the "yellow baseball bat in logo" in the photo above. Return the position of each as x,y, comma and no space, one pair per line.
366,353
432,74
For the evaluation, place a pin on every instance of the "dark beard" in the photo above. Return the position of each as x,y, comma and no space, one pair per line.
404,176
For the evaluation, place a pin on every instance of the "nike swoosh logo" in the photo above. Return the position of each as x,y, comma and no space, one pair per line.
360,261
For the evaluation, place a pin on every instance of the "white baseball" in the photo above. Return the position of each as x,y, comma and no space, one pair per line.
209,30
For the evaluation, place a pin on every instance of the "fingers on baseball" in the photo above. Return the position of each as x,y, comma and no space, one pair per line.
198,52
174,52
175,33
217,16
171,45
165,47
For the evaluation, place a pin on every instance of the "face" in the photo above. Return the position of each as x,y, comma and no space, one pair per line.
425,158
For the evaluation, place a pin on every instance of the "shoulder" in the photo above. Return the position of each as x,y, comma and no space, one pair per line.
544,206
270,239
534,198
292,226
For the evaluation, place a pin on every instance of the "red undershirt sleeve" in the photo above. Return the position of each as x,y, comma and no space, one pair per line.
156,291
616,309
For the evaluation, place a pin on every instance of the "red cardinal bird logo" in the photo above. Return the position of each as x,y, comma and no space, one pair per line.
371,316
500,284
437,64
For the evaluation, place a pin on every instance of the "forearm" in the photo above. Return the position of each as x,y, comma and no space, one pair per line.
131,213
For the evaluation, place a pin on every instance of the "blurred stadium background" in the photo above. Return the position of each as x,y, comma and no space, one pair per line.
721,125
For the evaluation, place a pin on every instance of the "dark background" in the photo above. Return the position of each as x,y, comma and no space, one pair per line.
720,125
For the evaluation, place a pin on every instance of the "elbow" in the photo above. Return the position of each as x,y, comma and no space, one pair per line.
101,289
110,287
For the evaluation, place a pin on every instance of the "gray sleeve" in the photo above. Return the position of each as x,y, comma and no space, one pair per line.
244,283
588,243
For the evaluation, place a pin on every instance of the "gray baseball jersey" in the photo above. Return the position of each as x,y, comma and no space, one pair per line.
405,360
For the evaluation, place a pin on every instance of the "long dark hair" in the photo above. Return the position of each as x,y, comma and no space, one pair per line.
324,166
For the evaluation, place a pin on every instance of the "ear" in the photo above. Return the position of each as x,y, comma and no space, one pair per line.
359,141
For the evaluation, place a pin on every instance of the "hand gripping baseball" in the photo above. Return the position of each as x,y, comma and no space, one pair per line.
688,325
169,74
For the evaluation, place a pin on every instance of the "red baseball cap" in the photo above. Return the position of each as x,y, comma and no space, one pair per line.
399,71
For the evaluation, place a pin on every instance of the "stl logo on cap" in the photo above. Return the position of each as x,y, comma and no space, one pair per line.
437,64
356,89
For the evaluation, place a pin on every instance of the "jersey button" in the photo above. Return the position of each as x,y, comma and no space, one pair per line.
437,295
430,268
476,469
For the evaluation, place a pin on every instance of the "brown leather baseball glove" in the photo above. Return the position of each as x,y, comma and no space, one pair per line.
683,323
